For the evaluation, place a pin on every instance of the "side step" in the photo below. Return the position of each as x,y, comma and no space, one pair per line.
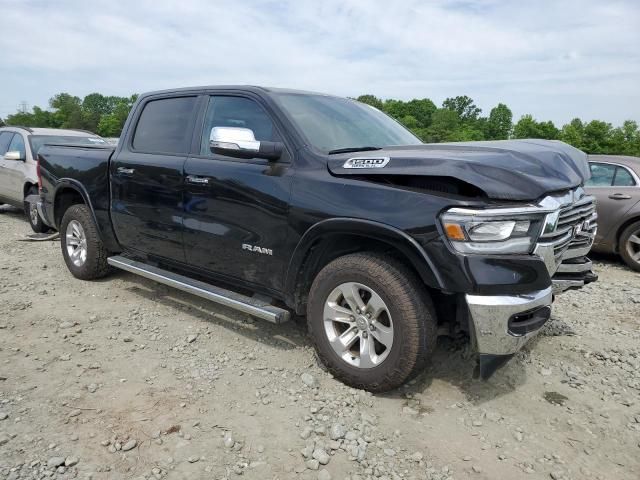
236,301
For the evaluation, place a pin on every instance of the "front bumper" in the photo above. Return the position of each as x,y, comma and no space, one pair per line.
573,274
502,324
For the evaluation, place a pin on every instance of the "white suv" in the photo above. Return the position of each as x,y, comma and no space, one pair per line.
18,164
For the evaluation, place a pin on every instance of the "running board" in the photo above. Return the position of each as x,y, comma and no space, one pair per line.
252,306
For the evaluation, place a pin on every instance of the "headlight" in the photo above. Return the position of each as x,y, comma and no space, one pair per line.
492,231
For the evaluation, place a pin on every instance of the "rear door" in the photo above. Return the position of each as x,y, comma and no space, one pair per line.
616,191
147,177
236,209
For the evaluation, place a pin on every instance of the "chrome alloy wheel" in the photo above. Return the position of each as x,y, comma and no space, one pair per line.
33,213
633,246
358,325
76,243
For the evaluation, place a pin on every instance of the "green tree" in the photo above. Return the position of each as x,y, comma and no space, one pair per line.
499,123
598,137
573,133
111,125
67,111
94,107
371,100
464,107
444,125
528,127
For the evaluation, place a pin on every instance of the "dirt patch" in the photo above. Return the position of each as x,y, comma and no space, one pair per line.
108,377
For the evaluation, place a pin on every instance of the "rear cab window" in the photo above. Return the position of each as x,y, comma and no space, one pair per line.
164,126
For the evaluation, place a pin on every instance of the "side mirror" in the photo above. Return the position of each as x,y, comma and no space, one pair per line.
14,155
241,143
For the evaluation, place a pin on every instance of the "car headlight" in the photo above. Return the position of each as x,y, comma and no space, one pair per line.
492,231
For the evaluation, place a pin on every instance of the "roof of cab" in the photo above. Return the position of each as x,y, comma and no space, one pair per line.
246,88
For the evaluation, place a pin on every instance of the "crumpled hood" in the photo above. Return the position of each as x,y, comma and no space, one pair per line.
504,169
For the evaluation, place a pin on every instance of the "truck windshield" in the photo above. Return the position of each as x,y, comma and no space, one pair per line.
332,123
37,141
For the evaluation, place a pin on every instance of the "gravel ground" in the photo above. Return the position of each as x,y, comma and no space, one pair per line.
125,378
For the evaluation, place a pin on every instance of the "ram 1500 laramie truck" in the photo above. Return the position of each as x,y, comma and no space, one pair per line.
279,203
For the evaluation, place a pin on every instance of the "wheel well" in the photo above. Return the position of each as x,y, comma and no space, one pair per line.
64,199
622,229
27,186
331,246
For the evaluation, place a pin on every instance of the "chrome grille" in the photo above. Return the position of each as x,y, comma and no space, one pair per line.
574,232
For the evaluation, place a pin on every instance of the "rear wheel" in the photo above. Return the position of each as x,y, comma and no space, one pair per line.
82,249
31,211
629,246
371,320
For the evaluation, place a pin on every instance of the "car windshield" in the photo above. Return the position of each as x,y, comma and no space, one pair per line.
333,123
37,141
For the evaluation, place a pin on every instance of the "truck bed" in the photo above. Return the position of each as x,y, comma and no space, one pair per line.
84,166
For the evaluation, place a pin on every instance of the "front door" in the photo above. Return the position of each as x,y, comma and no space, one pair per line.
5,187
147,179
235,218
13,171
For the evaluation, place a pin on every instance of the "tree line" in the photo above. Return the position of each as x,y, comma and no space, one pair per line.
104,115
458,119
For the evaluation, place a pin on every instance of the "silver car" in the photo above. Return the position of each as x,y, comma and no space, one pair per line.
18,164
615,182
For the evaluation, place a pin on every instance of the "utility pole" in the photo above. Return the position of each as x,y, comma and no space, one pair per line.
23,107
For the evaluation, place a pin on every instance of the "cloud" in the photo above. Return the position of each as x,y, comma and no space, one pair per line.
556,60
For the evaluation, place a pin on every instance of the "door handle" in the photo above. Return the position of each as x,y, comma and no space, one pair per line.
125,171
198,180
619,196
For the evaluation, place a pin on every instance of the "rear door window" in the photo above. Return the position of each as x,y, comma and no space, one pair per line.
623,178
601,175
5,140
165,126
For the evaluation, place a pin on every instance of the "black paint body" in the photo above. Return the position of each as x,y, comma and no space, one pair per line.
292,205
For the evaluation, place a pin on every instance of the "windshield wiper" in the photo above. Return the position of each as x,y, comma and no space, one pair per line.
353,149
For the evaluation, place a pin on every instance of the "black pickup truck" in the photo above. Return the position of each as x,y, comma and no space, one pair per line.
278,203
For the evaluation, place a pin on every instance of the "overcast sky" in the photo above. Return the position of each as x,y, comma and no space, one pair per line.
554,59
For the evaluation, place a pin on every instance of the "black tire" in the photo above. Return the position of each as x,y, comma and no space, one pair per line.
95,266
628,248
408,303
33,217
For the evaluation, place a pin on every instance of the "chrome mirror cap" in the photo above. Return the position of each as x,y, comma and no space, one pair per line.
14,155
233,138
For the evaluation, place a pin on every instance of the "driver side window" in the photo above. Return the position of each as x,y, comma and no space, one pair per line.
17,145
237,112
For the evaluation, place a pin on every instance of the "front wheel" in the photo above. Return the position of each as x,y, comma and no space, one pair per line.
31,211
82,249
630,246
371,320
